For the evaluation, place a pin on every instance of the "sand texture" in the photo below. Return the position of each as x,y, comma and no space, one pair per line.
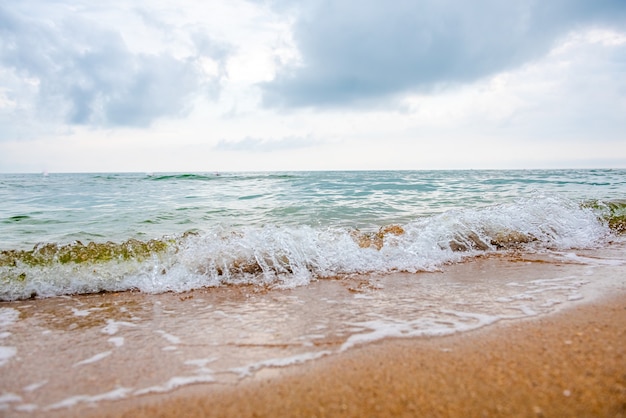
572,363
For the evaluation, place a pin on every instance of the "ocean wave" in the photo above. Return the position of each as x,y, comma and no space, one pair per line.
191,176
217,176
613,213
289,256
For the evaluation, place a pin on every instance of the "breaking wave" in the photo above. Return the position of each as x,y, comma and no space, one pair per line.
289,256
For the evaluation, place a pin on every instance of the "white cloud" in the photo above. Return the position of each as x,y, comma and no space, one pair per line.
165,86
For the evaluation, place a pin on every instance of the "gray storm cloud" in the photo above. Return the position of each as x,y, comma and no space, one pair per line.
358,51
88,75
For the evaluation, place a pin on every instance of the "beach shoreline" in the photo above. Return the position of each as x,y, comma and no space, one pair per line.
517,334
569,363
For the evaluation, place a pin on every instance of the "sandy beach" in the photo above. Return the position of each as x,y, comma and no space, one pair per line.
572,363
241,352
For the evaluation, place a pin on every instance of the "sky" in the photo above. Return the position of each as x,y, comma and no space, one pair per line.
255,85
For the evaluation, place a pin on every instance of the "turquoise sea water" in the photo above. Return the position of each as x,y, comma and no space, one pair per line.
82,233
65,207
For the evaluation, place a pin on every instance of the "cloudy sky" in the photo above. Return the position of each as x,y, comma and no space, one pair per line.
232,85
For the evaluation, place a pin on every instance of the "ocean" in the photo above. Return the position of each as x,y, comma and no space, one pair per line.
211,278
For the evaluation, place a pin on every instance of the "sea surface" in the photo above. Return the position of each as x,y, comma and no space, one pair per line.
218,277
85,233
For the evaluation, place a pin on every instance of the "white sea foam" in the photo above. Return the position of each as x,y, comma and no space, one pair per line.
169,337
113,326
34,386
81,312
9,397
116,394
526,310
6,353
8,316
201,365
175,383
453,322
572,257
26,407
116,341
249,369
203,375
94,359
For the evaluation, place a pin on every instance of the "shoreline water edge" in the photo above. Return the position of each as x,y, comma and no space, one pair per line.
120,293
120,351
569,363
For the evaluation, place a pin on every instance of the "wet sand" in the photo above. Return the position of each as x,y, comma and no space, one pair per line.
557,348
571,363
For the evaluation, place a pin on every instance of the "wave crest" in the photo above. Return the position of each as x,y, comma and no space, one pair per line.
288,256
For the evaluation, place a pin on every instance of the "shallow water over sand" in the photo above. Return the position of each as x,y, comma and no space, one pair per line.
77,352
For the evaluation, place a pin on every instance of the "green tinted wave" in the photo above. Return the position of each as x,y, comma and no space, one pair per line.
78,253
612,212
